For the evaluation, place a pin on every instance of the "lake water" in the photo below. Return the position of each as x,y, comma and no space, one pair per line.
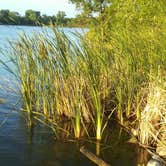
20,146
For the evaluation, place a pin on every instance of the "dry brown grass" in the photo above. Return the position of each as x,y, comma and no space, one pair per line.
152,128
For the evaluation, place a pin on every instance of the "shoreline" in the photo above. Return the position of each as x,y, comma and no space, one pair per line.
44,26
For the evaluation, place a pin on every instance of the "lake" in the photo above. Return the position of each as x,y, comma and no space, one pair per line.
21,146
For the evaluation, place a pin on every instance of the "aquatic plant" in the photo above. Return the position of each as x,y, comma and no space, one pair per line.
99,77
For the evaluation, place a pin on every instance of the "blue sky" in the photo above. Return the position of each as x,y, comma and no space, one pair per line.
49,7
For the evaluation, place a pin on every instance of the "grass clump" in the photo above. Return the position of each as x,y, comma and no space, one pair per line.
134,37
91,80
60,78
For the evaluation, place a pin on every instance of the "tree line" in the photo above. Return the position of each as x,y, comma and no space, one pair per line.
32,17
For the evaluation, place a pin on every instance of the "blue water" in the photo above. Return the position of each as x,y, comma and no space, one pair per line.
21,146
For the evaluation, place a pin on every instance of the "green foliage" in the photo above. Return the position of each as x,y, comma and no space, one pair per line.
32,17
9,17
134,34
90,6
14,17
60,18
4,14
106,72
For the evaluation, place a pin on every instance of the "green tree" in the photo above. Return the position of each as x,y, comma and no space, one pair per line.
32,17
60,18
14,18
45,19
4,16
91,6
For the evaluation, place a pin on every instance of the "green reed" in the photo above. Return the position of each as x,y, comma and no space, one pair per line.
59,78
88,81
98,77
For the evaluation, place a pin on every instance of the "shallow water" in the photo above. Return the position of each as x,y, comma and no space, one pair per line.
20,146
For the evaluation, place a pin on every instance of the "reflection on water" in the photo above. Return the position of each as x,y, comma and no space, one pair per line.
20,146
39,147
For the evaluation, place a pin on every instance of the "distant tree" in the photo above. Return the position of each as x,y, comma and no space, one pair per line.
53,19
4,16
14,18
60,18
81,20
45,19
32,17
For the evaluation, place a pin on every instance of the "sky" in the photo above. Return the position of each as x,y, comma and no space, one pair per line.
49,7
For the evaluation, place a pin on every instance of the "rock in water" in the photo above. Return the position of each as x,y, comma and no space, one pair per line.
153,162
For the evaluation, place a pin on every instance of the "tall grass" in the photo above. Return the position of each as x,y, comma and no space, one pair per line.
86,84
60,78
135,44
94,79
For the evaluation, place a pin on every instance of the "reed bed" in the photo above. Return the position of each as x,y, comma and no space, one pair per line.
95,79
81,82
59,78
